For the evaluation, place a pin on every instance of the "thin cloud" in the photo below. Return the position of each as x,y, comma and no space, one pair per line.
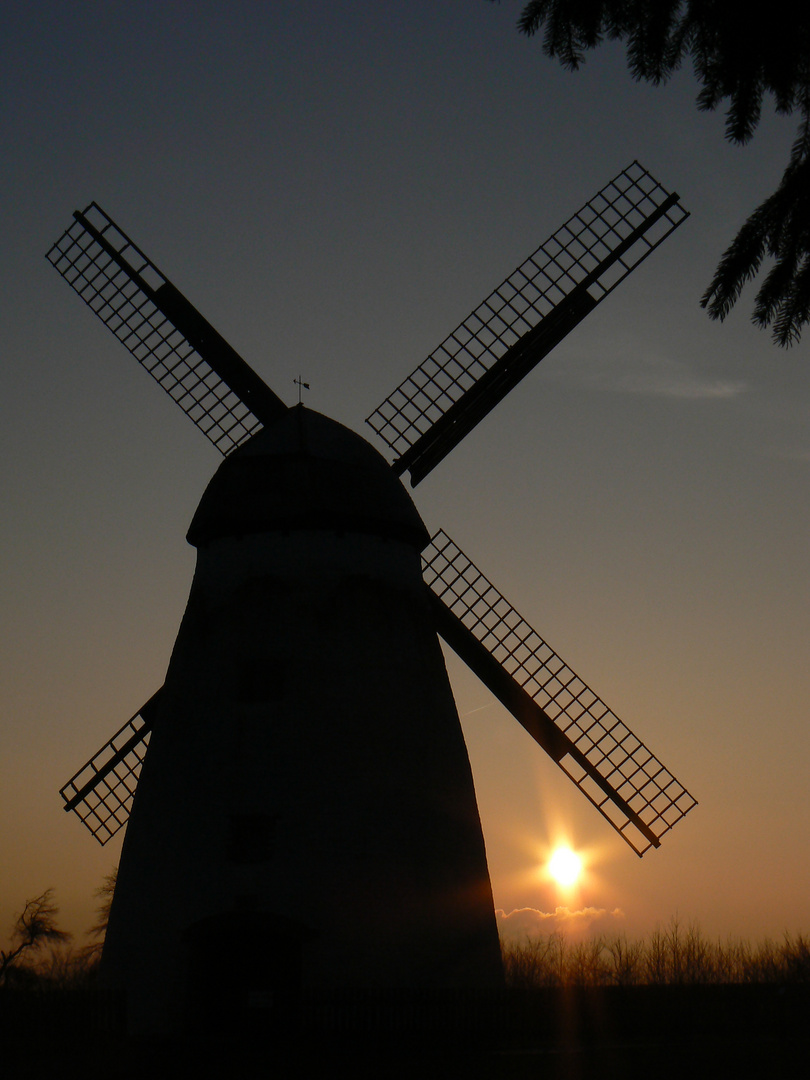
680,384
660,377
471,711
523,923
800,454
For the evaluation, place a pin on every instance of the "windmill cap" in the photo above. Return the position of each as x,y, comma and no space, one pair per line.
305,471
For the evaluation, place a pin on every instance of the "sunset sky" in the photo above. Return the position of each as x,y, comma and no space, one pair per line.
335,186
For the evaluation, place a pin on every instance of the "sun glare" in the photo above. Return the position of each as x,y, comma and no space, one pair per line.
565,866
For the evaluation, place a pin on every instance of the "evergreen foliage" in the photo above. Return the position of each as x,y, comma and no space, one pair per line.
739,56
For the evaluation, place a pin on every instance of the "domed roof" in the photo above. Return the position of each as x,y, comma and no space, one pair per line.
305,471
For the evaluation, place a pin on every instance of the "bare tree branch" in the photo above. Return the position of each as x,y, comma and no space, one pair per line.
34,927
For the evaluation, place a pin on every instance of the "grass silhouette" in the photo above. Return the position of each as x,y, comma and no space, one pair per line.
675,956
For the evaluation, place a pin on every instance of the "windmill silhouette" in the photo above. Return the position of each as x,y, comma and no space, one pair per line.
306,768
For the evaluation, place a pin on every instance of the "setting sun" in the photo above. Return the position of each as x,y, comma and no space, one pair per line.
565,866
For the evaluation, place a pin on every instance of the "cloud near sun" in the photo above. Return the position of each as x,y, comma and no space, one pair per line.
524,923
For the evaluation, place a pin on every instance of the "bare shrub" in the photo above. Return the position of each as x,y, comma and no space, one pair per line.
586,965
536,962
796,957
625,961
92,952
34,928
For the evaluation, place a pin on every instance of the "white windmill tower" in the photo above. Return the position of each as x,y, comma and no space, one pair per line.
306,766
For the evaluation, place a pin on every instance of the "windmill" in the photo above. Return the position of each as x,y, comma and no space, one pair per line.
306,769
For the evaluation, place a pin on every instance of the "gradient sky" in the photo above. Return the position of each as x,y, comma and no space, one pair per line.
335,186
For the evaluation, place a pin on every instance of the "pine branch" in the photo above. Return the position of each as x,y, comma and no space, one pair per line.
738,60
780,229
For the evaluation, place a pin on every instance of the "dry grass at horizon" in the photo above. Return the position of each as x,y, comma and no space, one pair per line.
677,955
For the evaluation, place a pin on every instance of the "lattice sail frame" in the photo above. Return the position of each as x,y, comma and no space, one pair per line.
101,792
125,303
601,741
591,254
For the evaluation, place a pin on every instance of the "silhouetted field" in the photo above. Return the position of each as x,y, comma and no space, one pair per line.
676,956
675,1003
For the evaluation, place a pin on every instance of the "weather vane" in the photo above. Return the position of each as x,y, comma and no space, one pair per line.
301,386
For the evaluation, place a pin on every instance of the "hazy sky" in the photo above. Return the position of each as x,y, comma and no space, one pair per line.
335,186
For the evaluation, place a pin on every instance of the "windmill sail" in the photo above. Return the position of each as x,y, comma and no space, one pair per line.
524,318
612,767
196,367
101,792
